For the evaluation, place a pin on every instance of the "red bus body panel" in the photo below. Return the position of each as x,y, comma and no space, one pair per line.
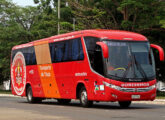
65,76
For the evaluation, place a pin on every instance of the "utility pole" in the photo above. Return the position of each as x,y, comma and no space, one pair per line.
58,17
74,20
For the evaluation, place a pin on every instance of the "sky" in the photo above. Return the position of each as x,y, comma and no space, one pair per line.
24,3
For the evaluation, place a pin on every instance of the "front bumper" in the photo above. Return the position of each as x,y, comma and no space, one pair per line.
116,95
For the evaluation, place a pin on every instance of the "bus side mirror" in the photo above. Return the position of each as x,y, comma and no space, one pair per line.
161,52
104,48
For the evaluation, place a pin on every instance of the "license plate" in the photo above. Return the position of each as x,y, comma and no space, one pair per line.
135,96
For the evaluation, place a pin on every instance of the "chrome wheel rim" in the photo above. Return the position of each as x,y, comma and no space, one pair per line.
29,95
83,97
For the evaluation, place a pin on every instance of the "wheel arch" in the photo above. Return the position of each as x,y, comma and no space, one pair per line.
78,88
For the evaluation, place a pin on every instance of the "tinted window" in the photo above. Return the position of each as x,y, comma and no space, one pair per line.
28,53
59,51
70,50
95,56
91,43
77,50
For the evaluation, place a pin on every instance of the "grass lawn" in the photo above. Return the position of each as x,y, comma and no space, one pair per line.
160,97
5,92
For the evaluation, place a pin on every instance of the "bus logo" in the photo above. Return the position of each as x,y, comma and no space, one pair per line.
18,73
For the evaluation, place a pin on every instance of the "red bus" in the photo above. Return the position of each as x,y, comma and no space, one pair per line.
89,65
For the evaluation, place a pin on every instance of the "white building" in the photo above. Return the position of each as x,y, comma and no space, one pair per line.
161,86
6,85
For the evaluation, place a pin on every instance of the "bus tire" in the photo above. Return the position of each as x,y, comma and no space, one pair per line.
30,97
64,101
84,98
124,104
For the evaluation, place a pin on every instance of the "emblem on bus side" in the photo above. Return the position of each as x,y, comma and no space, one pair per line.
18,73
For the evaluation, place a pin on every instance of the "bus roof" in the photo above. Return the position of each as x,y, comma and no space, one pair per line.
101,33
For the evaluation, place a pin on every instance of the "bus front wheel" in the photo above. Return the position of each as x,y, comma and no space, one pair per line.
84,98
124,104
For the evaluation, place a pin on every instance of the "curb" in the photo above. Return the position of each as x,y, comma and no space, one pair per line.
7,95
156,101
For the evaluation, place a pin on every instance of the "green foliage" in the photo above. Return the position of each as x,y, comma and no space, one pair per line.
126,24
5,92
66,27
162,22
23,24
66,14
44,26
134,15
161,94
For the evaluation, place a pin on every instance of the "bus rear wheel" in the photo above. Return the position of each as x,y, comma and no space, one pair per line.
30,97
124,104
84,98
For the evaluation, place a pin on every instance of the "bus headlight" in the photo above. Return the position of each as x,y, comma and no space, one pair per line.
106,84
152,87
112,86
115,87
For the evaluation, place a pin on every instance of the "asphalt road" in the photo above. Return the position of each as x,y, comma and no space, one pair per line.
17,108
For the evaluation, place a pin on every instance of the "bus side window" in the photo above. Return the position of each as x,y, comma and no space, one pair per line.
33,57
59,52
67,53
81,53
52,52
69,50
56,51
29,54
77,51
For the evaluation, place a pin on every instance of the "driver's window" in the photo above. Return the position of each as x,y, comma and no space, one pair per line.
98,60
94,53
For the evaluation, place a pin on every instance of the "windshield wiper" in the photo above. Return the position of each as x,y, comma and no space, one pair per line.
127,69
140,68
130,63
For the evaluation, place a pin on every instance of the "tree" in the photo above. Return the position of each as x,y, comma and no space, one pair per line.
133,15
23,24
49,8
15,26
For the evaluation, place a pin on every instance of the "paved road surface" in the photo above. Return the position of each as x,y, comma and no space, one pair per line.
17,108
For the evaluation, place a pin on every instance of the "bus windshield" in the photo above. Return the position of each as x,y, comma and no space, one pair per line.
132,61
